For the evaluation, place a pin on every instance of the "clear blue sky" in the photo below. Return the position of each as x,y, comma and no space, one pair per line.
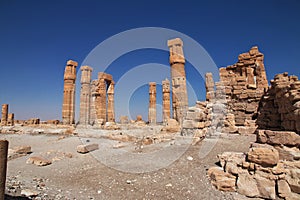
38,37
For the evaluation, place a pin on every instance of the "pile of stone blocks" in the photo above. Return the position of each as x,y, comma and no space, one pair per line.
280,106
271,167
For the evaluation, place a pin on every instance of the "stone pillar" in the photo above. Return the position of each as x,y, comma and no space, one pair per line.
3,166
101,100
179,91
4,115
85,95
93,112
210,87
166,100
111,102
11,119
152,103
68,111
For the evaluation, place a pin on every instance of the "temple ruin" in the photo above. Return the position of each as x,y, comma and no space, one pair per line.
96,98
68,111
7,119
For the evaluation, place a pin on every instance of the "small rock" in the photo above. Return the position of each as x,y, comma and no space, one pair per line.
39,161
169,185
190,158
29,193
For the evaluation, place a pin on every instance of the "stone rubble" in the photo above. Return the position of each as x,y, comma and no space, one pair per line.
261,172
280,106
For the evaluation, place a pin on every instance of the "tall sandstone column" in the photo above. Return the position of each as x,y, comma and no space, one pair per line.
4,116
11,119
179,91
152,103
68,112
101,99
85,95
166,100
93,111
111,102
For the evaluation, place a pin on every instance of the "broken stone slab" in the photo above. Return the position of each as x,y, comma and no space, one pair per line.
243,130
22,149
263,154
29,193
284,189
221,180
246,185
87,148
266,187
287,138
39,161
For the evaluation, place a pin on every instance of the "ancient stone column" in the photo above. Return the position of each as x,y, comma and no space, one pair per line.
93,112
179,91
101,99
210,86
166,100
3,165
11,119
85,95
111,102
152,103
4,114
68,112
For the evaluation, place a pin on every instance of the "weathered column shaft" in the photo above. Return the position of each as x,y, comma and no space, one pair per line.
68,112
179,91
93,112
111,102
209,86
85,95
152,103
101,101
3,166
11,119
4,114
166,100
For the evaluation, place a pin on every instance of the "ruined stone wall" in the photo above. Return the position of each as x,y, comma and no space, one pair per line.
280,106
245,83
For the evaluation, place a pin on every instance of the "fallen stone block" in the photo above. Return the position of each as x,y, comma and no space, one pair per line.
221,180
287,138
39,161
87,148
263,154
22,149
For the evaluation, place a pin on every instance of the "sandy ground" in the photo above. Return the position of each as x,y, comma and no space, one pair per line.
92,176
